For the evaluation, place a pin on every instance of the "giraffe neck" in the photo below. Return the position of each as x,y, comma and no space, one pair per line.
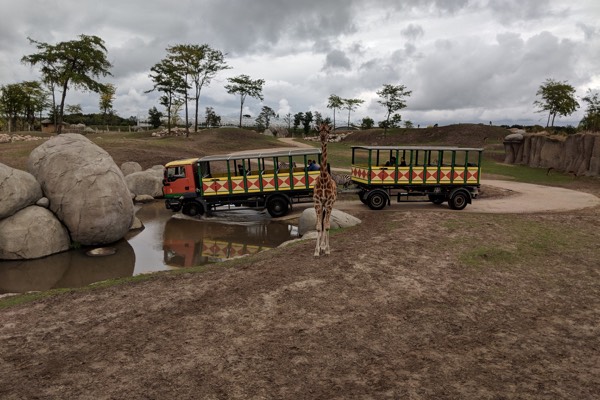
323,155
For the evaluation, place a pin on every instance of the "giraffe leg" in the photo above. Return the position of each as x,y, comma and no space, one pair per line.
319,212
326,226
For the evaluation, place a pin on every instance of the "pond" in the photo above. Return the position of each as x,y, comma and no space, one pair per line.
168,241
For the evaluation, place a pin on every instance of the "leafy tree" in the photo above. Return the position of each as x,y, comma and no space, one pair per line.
12,103
335,102
306,121
264,118
557,98
408,124
212,119
74,109
167,80
351,105
393,122
200,63
298,117
154,117
21,102
367,123
288,120
76,64
392,98
244,86
591,120
318,118
107,96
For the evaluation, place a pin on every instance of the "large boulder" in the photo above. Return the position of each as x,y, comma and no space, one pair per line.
148,182
86,189
130,167
32,233
339,219
18,189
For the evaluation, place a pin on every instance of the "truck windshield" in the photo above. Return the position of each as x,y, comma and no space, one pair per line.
174,173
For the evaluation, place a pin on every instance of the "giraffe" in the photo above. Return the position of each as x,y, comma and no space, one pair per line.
325,194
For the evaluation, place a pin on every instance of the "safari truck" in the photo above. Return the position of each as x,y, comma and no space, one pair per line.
437,174
271,179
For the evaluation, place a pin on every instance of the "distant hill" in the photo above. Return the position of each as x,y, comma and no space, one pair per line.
464,135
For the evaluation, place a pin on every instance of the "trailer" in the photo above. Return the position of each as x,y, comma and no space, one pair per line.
435,174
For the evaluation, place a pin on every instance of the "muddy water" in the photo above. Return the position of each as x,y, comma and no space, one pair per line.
168,241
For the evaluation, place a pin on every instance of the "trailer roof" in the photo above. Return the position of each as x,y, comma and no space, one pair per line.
444,148
269,153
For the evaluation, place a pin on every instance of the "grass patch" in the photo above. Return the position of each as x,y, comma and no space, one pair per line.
502,241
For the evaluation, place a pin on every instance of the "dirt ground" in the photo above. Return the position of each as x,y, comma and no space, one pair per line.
417,302
398,311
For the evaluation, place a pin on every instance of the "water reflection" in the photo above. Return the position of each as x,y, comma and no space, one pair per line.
189,242
168,241
70,269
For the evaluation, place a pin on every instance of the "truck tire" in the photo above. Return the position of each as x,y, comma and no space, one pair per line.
362,195
192,209
377,200
459,200
277,206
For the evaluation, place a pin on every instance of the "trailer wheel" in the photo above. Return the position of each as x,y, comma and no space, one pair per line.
436,199
192,209
277,206
377,200
459,200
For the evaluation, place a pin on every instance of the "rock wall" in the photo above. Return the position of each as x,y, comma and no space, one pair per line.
579,153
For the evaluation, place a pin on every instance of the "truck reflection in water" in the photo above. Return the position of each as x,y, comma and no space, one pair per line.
193,242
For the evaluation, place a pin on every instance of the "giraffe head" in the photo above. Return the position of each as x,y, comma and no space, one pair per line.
324,130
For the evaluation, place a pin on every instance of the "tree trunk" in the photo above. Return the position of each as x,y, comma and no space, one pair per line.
334,118
62,108
548,122
241,109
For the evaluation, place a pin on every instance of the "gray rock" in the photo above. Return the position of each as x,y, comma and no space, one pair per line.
514,137
43,202
18,189
86,189
143,198
147,182
33,232
339,219
130,167
137,224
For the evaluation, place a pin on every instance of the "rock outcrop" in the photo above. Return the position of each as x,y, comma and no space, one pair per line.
86,189
18,189
578,154
32,232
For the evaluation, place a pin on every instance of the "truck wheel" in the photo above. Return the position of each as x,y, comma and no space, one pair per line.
377,200
277,206
436,199
192,209
362,195
459,200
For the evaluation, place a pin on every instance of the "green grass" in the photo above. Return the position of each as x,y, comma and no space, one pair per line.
524,173
513,241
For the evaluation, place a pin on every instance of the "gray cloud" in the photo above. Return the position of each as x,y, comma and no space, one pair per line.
463,59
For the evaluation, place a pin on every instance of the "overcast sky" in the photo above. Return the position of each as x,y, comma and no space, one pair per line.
464,60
